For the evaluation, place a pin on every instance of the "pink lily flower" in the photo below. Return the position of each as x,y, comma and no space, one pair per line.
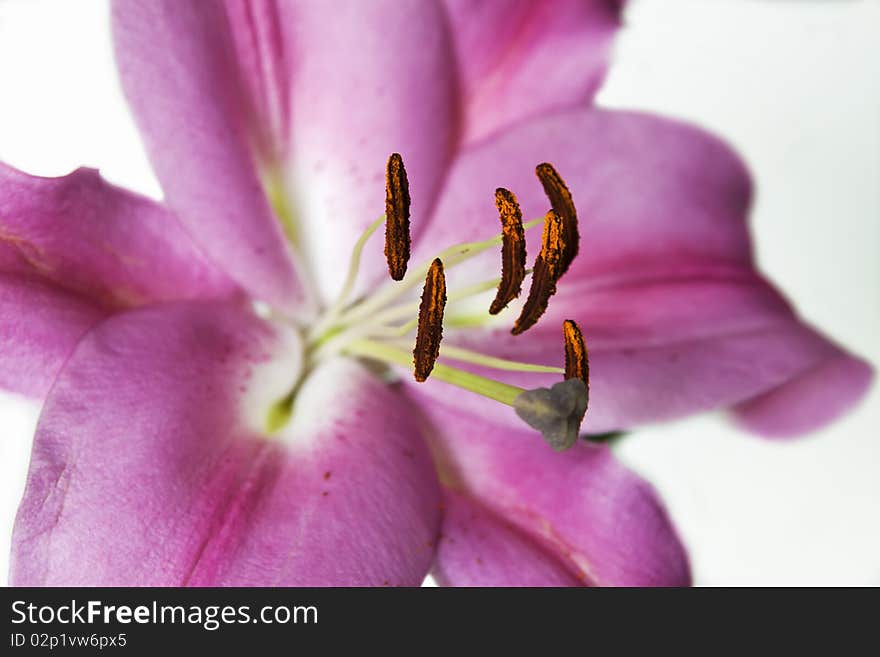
217,412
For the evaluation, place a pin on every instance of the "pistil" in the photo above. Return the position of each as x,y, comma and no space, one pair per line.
555,412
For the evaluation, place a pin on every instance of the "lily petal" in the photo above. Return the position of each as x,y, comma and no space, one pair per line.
262,52
520,58
179,72
650,193
478,548
578,509
368,79
812,399
675,316
40,325
73,249
666,348
151,467
99,241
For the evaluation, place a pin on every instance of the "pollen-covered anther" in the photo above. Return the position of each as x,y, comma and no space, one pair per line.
576,361
513,250
577,364
546,272
430,329
563,205
397,201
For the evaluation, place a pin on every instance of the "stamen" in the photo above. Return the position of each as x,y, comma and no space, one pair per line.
545,274
328,342
451,257
563,205
500,392
397,238
430,330
577,364
513,250
367,327
351,277
467,356
410,309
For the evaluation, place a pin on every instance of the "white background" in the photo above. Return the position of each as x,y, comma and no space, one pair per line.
795,85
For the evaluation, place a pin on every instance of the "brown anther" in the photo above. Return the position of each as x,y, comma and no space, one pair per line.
430,330
562,204
577,363
397,239
546,273
513,250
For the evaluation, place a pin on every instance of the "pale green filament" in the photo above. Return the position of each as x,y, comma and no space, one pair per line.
367,328
450,257
467,356
410,309
379,325
339,328
451,319
481,385
350,279
473,320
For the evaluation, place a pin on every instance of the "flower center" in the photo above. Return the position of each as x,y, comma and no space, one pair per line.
378,326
